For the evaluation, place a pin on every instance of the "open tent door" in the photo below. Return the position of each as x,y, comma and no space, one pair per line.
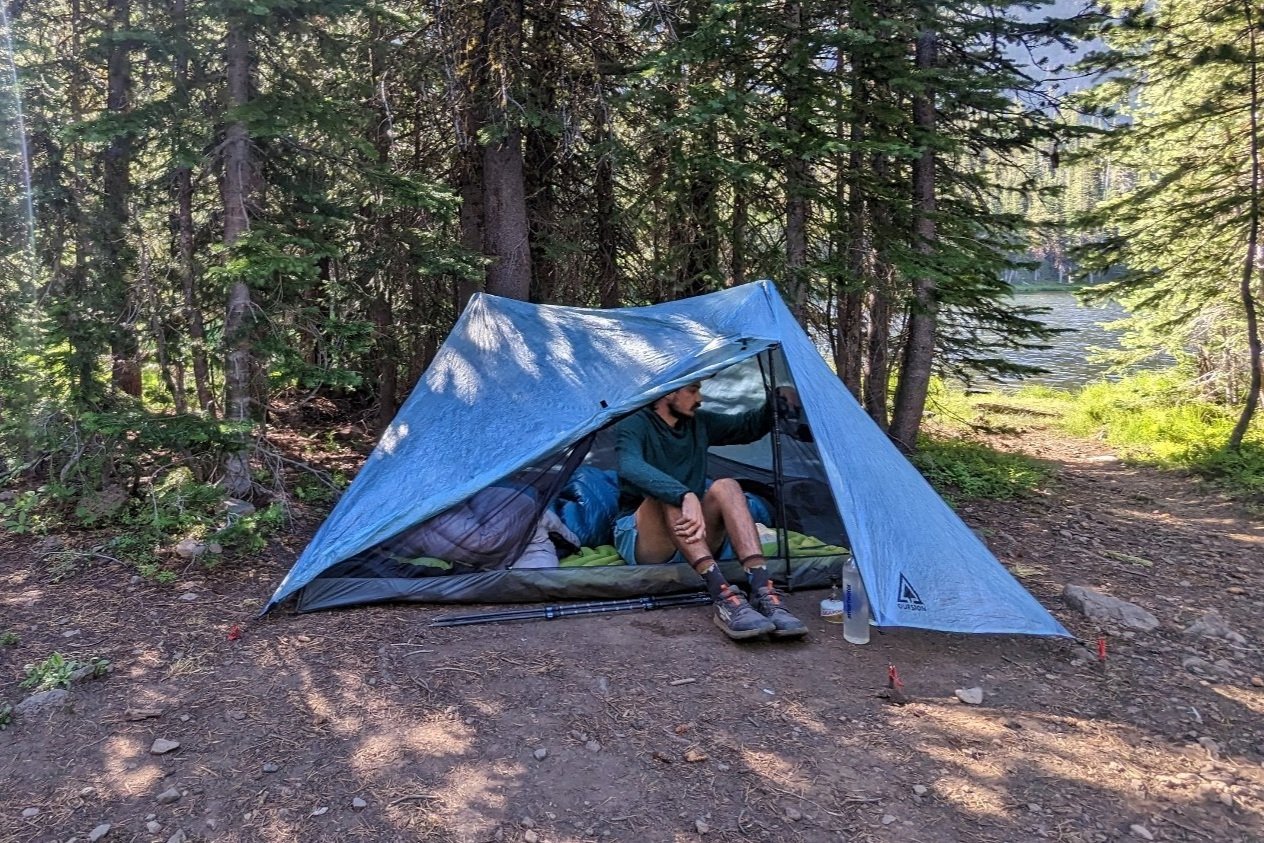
468,552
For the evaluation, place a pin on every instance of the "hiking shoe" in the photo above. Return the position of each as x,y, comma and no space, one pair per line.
767,602
736,617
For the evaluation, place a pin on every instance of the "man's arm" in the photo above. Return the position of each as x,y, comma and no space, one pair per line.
743,428
637,472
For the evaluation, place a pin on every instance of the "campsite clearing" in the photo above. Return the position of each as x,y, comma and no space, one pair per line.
365,724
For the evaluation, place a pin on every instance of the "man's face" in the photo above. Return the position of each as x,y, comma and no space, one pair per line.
684,402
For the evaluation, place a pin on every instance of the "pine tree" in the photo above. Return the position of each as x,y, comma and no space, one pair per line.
1179,239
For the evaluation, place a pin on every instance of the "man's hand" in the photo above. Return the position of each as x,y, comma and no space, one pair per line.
691,526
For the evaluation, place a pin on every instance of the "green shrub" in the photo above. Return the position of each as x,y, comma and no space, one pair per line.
55,672
24,514
961,468
8,639
249,533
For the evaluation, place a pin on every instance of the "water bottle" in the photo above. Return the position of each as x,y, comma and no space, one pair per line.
855,605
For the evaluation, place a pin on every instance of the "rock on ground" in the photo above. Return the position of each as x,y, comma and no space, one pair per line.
41,701
1211,625
1106,609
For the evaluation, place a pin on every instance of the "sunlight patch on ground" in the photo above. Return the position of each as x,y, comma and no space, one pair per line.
26,598
807,718
466,801
124,777
971,796
469,788
983,756
399,745
771,767
140,664
1252,701
190,665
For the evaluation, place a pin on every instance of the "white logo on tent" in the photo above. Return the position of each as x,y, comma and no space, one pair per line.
908,599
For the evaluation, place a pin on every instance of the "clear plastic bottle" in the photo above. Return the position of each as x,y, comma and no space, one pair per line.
832,609
855,605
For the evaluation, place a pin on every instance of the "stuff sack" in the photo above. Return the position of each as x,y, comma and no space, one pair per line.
588,505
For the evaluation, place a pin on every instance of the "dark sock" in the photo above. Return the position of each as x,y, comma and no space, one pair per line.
757,576
710,573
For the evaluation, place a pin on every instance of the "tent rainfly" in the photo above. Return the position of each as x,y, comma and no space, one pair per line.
521,395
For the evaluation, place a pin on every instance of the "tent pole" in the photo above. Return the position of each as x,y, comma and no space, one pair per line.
770,387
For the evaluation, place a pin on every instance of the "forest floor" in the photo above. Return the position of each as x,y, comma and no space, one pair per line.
367,724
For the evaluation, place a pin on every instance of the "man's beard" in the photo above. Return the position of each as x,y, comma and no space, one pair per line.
677,415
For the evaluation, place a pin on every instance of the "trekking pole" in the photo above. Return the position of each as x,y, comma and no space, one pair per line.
778,466
598,607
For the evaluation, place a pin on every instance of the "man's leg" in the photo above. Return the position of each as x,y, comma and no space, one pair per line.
657,541
725,504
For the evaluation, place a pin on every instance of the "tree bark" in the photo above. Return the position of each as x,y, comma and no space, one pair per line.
1250,266
186,262
878,363
468,83
797,206
386,345
919,347
506,229
83,347
238,193
116,253
849,328
541,140
606,227
387,348
880,283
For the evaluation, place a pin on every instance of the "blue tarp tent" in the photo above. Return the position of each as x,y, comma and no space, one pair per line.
517,382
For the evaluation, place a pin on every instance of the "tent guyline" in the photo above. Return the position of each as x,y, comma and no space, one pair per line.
494,482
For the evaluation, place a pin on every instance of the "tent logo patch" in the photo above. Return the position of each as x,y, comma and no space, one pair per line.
908,598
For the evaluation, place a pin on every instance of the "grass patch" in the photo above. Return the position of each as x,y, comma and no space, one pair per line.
1151,418
959,468
1157,418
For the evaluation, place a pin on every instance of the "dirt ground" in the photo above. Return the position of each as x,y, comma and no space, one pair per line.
366,724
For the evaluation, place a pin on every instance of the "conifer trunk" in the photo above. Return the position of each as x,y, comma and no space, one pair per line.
797,207
853,238
238,193
919,347
1250,267
541,150
182,183
880,282
116,252
506,228
386,345
607,234
878,361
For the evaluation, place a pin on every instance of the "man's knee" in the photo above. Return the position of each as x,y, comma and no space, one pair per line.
726,488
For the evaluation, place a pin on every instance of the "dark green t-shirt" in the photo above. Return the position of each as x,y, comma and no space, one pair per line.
663,462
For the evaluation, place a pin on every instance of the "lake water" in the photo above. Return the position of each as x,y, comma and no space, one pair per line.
1067,357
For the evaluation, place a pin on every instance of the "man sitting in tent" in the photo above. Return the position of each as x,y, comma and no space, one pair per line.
667,513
